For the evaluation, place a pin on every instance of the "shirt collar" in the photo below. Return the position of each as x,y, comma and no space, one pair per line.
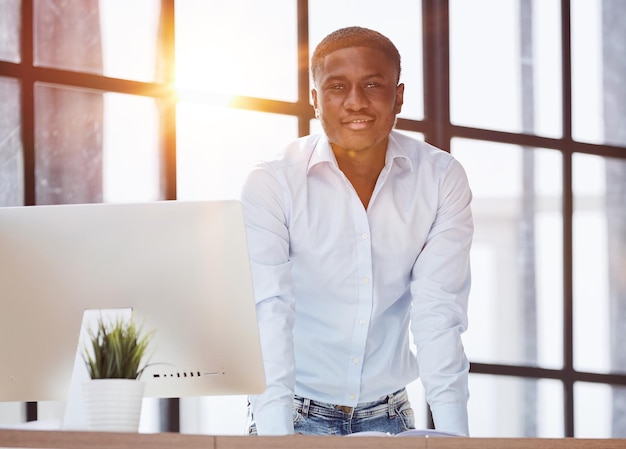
322,153
395,153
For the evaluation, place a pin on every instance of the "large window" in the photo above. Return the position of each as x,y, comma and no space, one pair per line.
117,101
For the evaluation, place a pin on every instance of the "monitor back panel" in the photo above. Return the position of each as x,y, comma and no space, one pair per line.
182,267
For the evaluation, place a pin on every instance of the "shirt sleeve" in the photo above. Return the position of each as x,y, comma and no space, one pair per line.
440,289
268,246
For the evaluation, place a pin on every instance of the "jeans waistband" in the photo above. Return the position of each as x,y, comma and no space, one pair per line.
383,405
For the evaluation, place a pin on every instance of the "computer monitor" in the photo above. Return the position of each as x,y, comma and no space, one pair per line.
182,267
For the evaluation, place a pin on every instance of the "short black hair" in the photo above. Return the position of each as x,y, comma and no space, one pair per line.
354,37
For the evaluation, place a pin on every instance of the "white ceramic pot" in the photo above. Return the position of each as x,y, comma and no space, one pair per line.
113,405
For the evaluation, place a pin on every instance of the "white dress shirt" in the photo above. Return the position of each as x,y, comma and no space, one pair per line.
338,286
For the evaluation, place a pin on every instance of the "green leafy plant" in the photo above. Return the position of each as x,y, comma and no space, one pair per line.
117,350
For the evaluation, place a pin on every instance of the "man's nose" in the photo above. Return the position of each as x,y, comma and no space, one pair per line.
355,99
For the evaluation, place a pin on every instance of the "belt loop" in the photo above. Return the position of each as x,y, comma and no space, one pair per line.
390,407
306,403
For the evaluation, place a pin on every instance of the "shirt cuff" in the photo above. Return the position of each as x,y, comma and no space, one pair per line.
274,421
451,418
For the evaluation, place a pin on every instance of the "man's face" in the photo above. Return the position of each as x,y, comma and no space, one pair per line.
357,96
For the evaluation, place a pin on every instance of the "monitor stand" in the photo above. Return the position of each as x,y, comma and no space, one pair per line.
74,415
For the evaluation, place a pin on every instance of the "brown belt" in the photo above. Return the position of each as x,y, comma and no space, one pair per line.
344,408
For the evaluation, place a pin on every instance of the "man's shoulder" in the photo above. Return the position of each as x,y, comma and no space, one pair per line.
420,151
296,153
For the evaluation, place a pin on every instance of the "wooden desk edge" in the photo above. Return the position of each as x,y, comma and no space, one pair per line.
108,440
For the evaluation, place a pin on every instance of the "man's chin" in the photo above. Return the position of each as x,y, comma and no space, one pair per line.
355,146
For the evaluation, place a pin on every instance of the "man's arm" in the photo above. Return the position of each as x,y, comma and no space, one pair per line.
440,289
268,244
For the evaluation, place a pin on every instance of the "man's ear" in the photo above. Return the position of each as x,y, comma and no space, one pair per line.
399,97
314,96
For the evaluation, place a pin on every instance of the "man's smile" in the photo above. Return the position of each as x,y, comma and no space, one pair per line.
357,123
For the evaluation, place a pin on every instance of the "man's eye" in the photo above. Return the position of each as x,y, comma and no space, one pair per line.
372,84
336,87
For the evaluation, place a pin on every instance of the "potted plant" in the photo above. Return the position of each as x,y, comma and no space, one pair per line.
115,357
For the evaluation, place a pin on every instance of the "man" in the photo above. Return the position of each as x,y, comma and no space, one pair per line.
356,236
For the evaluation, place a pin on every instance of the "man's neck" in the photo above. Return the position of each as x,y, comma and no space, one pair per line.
362,170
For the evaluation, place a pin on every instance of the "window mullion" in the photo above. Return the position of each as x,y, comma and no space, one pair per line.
436,42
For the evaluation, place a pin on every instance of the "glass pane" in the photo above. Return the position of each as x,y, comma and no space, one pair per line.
10,18
114,38
599,411
93,147
598,65
214,155
399,20
599,263
68,145
238,47
131,158
505,65
516,299
512,407
11,159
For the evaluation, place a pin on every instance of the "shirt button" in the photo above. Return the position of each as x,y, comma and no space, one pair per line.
356,361
352,396
364,236
362,322
366,280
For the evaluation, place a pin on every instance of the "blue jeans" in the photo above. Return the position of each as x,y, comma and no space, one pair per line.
390,414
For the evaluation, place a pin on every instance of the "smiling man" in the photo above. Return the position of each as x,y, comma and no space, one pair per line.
359,240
